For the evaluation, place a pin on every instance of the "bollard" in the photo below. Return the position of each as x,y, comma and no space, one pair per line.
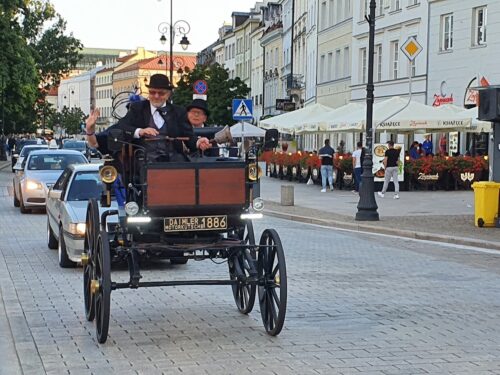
287,195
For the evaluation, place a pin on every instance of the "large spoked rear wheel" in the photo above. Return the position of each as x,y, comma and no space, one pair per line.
244,260
272,282
91,232
102,291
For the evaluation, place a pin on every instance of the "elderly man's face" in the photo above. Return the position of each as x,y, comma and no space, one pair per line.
158,96
196,117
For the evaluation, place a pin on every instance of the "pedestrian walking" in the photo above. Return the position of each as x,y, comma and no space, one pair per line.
357,162
391,165
326,154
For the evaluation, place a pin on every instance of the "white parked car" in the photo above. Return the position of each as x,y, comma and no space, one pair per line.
40,170
67,209
25,152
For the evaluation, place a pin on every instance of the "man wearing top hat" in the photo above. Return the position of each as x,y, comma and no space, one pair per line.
155,117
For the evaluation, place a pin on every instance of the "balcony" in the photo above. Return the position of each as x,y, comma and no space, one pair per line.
294,82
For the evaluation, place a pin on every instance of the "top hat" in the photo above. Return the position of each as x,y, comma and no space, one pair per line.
200,104
159,81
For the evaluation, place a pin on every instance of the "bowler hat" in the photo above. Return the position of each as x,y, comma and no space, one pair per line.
200,104
159,81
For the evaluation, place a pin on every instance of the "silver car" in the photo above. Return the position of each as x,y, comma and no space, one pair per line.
40,170
67,209
24,153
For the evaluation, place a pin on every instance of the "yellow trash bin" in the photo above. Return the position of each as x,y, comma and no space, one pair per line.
486,202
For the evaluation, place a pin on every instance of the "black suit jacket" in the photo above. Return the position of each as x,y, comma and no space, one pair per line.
139,116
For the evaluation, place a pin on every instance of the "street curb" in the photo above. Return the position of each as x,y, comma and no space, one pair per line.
5,166
366,228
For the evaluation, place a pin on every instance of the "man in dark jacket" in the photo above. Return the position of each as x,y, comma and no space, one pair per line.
155,117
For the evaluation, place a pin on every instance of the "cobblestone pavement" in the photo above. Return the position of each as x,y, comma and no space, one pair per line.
358,304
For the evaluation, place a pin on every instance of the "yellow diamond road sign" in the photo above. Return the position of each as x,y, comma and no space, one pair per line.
411,48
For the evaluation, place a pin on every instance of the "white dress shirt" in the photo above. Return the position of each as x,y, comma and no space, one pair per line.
158,120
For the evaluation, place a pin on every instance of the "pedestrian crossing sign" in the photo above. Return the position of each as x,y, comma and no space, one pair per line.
242,109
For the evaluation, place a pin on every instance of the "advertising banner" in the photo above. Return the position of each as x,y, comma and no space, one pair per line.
379,150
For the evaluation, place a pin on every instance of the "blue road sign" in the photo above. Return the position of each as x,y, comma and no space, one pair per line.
242,109
200,87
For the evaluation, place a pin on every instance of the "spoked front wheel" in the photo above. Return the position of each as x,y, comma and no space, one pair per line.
242,263
101,287
272,282
91,232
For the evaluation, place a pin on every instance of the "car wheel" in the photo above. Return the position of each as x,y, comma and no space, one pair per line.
52,242
64,260
22,207
16,201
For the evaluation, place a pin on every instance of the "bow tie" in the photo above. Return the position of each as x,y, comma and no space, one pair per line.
162,110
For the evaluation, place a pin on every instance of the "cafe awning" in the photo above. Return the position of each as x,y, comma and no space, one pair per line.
246,129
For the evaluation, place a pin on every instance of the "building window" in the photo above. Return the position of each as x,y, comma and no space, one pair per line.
394,59
329,76
322,69
347,9
378,62
331,15
323,16
363,64
347,62
339,11
446,32
337,64
479,26
413,2
396,5
365,10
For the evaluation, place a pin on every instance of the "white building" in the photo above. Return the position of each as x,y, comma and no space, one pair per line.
286,69
463,45
78,91
257,72
396,21
311,52
230,53
104,97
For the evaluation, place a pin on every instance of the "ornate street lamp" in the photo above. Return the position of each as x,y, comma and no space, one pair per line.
178,28
367,205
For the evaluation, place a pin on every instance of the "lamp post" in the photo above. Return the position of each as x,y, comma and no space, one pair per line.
180,27
367,206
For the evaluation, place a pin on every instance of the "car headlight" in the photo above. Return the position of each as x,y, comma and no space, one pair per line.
132,208
138,219
258,204
33,185
77,228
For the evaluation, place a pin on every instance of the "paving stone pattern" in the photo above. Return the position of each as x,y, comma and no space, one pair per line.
358,304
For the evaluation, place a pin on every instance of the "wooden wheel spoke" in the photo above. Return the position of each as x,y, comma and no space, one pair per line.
275,297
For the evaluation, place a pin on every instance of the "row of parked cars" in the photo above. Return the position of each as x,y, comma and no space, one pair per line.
61,181
25,146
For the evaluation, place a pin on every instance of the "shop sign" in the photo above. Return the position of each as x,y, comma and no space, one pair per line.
442,99
428,177
467,176
471,97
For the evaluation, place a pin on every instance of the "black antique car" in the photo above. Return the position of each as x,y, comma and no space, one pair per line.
198,209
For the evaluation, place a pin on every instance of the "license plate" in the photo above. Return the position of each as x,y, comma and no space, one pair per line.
193,223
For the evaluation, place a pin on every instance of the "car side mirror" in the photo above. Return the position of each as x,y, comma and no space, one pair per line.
116,138
55,194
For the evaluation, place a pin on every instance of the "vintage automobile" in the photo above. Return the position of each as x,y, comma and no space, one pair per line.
66,210
206,214
40,170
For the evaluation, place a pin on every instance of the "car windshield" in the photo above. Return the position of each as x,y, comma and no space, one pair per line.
74,145
54,162
85,185
26,150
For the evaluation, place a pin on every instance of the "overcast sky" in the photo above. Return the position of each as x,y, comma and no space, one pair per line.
129,24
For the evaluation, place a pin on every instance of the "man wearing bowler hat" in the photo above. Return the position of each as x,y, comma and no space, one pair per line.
156,117
197,113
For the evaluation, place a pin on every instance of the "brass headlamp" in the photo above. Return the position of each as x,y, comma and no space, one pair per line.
108,174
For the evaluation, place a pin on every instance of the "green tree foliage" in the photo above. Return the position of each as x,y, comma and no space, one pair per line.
34,53
221,91
69,119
